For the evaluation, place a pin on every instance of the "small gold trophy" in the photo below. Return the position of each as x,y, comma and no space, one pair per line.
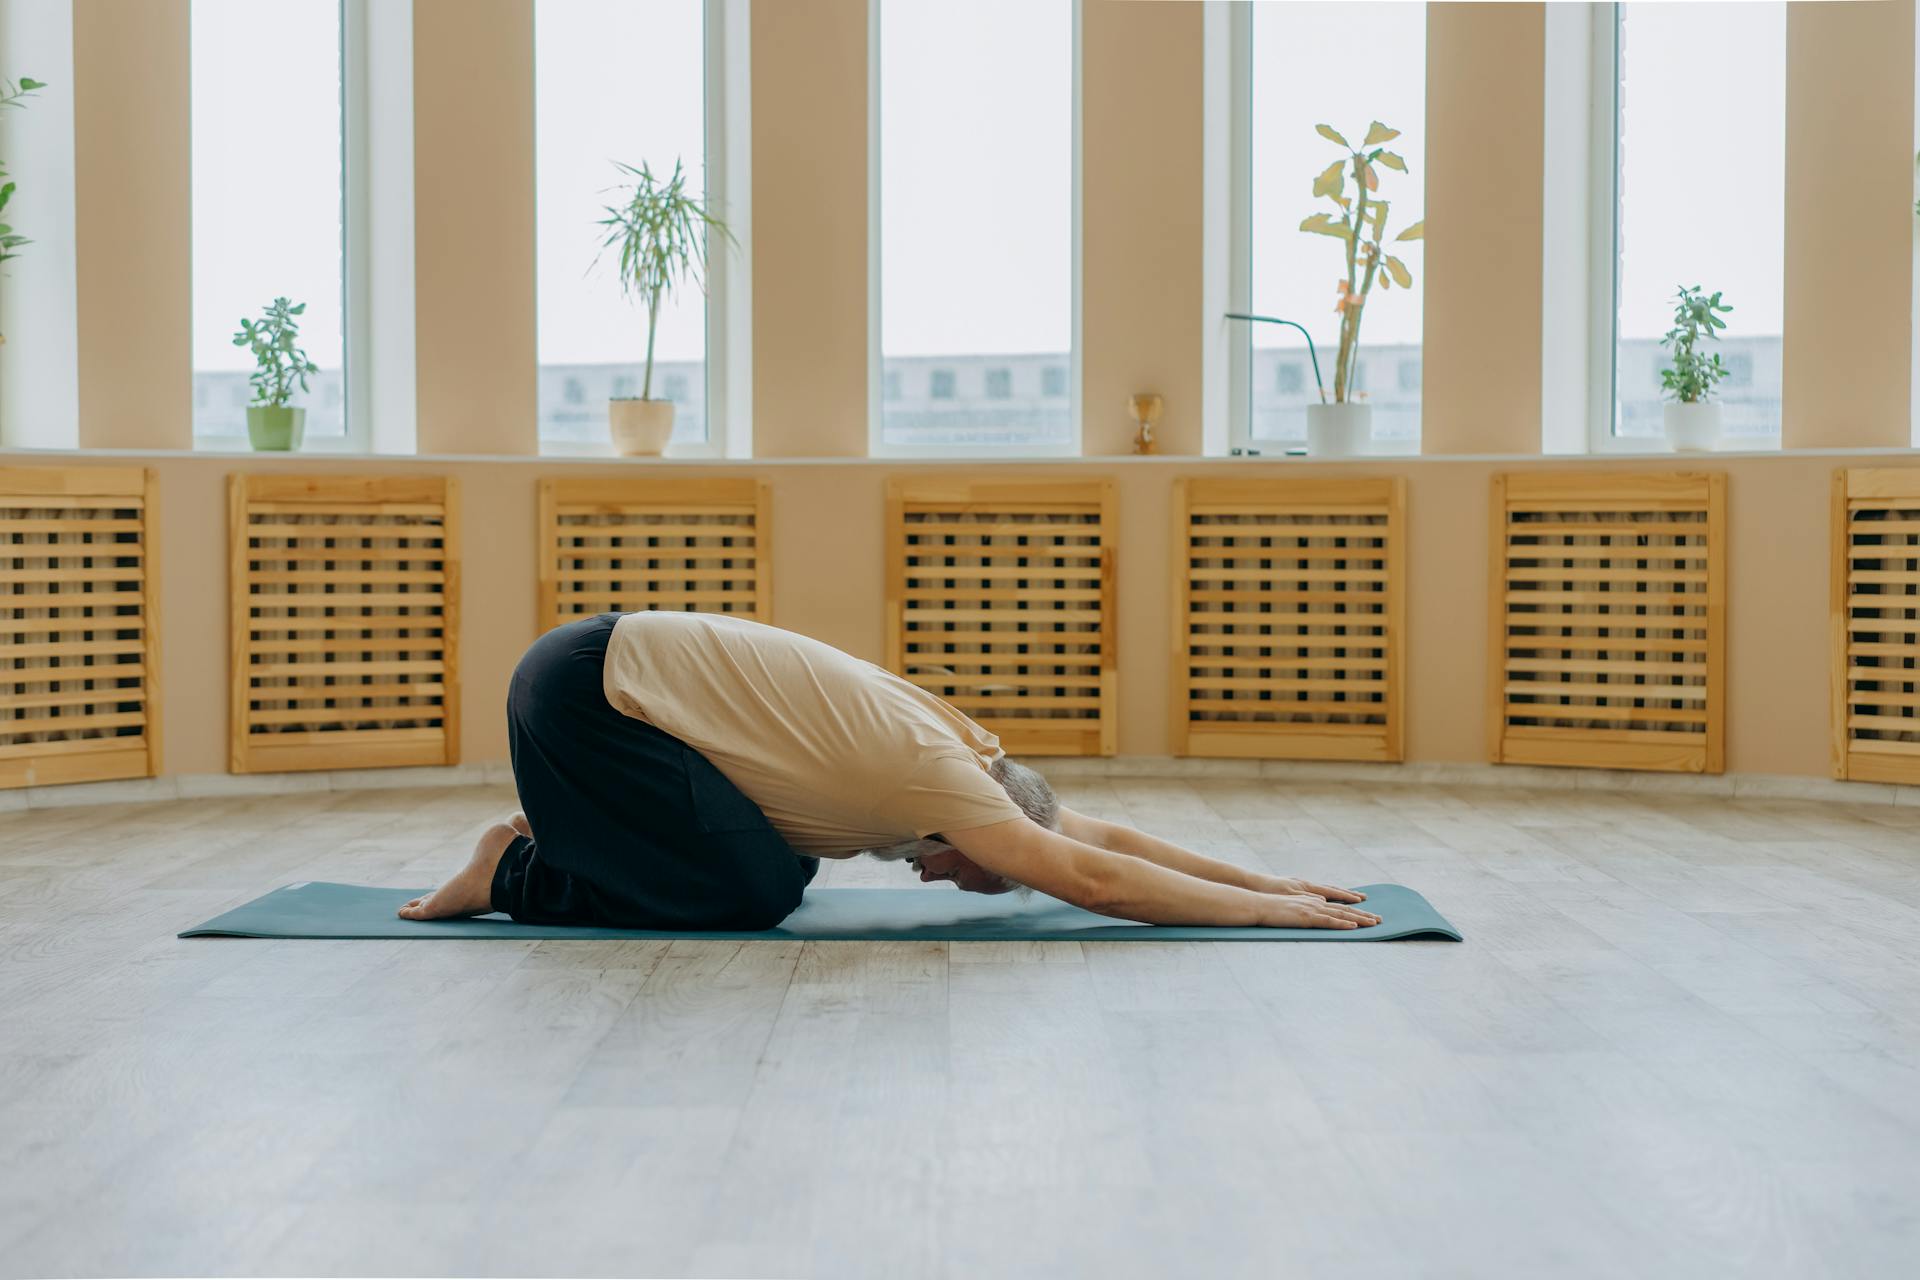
1146,416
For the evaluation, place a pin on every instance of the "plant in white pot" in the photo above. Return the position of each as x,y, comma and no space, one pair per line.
1344,428
272,422
661,234
1692,420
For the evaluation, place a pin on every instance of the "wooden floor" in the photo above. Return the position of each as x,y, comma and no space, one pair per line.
1681,1039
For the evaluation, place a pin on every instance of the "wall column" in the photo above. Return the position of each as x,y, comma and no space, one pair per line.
475,308
1849,226
133,223
1141,73
810,228
1481,363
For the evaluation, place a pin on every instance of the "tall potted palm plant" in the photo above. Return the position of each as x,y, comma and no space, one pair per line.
660,232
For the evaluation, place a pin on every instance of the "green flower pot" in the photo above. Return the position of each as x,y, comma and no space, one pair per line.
276,429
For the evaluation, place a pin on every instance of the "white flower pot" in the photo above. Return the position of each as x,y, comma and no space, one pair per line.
1339,430
1692,428
640,428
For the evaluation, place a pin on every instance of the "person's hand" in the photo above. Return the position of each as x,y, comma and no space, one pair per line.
1311,911
1288,884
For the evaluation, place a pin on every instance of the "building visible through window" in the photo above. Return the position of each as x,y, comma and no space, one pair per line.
591,108
974,250
1743,255
1296,275
251,114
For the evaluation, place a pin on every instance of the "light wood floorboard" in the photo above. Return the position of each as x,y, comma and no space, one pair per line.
1683,1038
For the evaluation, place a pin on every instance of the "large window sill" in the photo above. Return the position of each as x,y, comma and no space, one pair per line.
21,456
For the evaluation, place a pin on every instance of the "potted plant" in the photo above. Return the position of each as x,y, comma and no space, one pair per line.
1692,420
12,95
661,234
1344,428
272,423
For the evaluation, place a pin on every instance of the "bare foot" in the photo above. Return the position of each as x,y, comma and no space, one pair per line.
470,891
519,823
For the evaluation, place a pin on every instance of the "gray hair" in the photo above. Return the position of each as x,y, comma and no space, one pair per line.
1024,786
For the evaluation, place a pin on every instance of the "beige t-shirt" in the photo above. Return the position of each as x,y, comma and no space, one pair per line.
841,755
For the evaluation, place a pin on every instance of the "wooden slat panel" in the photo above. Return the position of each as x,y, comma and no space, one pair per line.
1607,620
1875,547
1290,607
78,633
975,569
629,545
345,622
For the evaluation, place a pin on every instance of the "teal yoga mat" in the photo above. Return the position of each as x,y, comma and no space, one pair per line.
316,909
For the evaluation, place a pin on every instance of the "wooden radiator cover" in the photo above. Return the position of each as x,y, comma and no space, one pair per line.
1608,621
1000,600
623,546
1875,583
79,630
1289,618
346,622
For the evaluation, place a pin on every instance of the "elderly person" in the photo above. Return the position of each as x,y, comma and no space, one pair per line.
687,771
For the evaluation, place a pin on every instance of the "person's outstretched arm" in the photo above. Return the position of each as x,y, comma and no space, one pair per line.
1138,844
1130,888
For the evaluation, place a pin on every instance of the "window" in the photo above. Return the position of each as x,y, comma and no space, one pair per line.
1409,376
624,83
268,203
1287,86
1657,54
974,221
893,384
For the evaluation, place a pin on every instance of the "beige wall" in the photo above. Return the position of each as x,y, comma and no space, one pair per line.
1480,331
828,567
473,226
133,223
810,228
1849,320
1141,189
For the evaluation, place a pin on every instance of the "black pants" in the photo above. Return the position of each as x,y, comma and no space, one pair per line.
632,827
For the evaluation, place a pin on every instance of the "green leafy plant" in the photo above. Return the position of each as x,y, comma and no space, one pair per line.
12,95
281,362
1692,374
1362,225
661,234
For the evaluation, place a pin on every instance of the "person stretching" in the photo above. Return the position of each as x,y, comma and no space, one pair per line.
686,771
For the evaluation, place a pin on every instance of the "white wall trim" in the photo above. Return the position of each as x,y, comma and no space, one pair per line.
1731,786
878,446
1567,186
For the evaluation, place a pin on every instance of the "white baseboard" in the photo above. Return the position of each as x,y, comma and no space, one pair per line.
1732,786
